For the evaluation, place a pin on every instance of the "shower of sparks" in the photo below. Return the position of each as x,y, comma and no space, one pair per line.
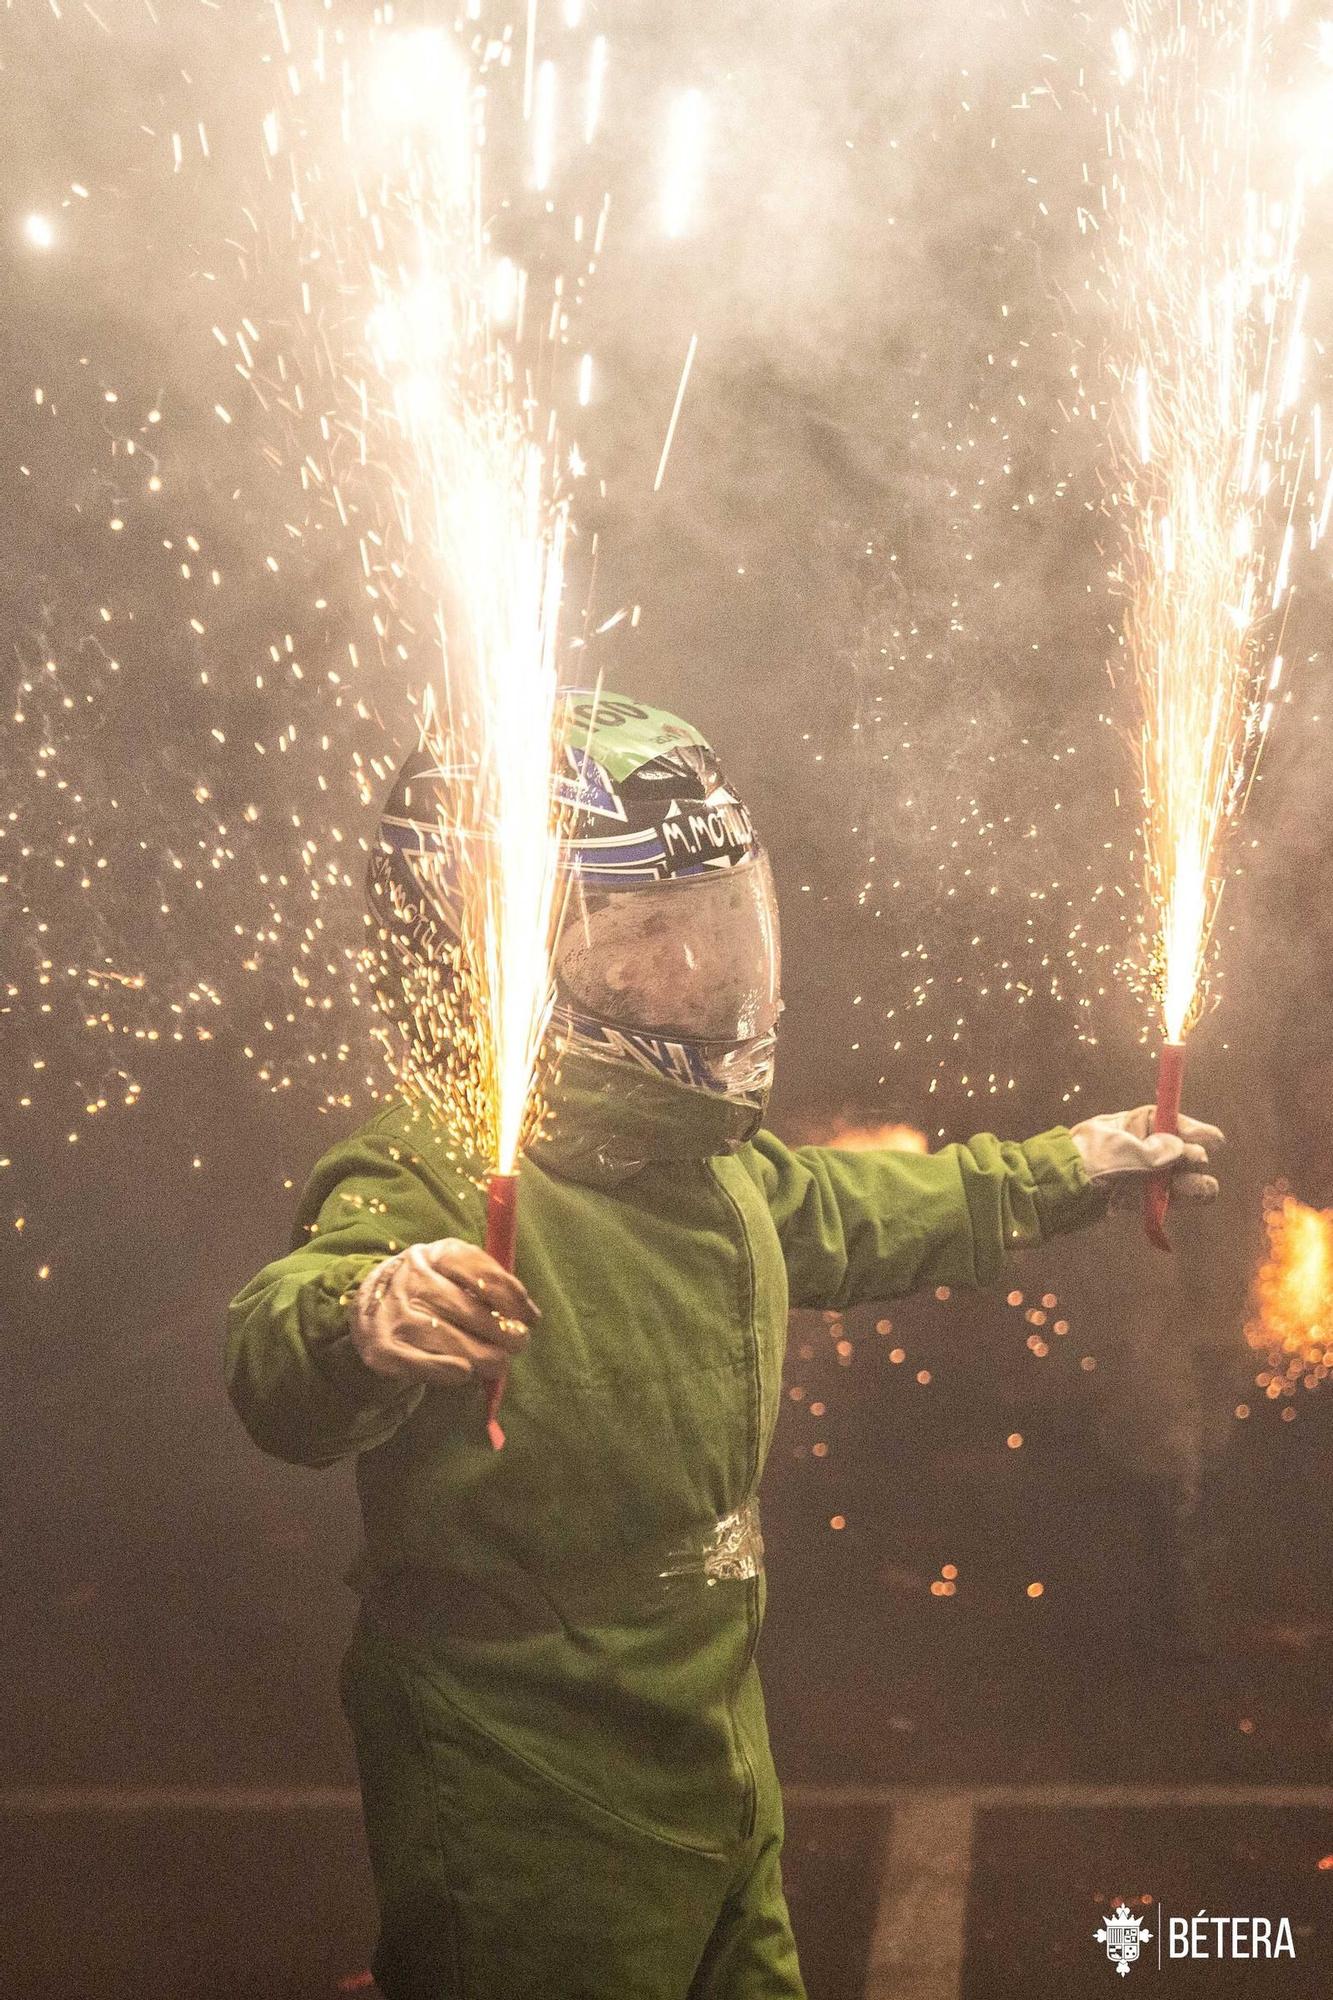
1212,441
232,562
473,465
1291,1320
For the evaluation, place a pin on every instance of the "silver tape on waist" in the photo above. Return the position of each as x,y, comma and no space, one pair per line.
727,1551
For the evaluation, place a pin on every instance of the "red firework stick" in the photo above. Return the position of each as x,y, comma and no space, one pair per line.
1157,1194
501,1237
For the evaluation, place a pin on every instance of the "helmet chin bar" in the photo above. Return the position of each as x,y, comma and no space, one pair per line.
739,1071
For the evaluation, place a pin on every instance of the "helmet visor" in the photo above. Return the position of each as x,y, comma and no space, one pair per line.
696,957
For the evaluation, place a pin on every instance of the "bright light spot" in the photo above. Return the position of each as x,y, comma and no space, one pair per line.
1144,415
504,291
39,231
592,103
543,128
416,74
683,175
585,380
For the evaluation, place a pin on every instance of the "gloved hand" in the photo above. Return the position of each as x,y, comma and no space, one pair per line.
440,1312
1121,1147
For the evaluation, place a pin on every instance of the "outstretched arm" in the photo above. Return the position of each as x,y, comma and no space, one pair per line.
857,1226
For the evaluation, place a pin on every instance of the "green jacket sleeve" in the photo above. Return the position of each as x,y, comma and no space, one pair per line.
292,1371
857,1226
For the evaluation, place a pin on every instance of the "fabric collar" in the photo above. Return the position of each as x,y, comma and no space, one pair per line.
608,1121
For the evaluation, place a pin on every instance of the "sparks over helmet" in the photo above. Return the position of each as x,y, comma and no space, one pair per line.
668,958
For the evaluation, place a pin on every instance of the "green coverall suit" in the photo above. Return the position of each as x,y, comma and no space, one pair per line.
568,1788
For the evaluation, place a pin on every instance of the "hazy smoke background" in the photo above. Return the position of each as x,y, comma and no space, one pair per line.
875,574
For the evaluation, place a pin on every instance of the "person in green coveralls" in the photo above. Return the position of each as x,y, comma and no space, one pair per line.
566,1776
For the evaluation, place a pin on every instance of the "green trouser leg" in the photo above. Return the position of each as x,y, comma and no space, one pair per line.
751,1954
495,1883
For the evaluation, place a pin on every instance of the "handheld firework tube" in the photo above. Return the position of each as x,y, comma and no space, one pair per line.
501,1236
1157,1194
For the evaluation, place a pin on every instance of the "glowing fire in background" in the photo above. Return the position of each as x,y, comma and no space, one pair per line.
1291,1320
852,1137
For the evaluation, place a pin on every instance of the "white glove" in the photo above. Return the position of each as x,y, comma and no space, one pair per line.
440,1312
1119,1148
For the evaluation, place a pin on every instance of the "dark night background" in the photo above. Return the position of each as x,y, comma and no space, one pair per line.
876,576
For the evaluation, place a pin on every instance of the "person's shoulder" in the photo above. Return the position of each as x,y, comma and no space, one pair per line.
410,1131
401,1133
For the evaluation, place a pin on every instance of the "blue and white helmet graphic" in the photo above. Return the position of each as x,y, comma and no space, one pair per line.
669,956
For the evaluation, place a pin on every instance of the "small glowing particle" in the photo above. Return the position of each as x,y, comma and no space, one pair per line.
838,1523
1015,1440
1036,1590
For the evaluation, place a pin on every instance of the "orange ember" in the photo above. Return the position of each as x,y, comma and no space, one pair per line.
1292,1316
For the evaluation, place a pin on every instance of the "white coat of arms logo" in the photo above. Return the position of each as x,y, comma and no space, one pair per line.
1124,1937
